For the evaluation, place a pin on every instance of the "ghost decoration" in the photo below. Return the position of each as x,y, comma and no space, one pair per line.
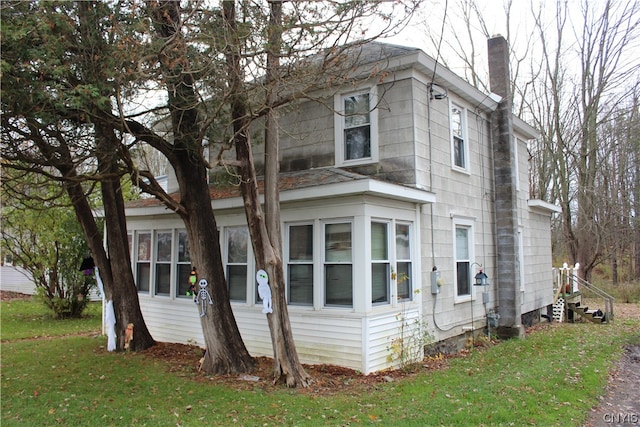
264,291
203,297
109,315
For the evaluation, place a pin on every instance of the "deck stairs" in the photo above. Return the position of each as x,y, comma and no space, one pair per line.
570,294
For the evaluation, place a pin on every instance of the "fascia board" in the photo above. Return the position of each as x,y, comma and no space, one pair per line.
543,207
361,186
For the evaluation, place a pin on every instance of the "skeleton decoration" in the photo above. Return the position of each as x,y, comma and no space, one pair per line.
203,296
264,291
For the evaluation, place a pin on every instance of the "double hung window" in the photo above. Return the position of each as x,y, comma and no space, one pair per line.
300,264
163,263
184,264
338,264
237,249
463,260
380,264
143,261
458,137
403,261
356,128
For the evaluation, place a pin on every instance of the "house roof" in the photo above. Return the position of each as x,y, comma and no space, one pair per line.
301,185
398,58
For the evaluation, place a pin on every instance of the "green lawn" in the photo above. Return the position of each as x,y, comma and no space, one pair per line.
552,377
29,319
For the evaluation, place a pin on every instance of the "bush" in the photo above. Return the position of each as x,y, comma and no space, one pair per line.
67,300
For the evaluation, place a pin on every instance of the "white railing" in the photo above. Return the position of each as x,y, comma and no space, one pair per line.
567,282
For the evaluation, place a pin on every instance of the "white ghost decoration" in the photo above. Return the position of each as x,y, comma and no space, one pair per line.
264,291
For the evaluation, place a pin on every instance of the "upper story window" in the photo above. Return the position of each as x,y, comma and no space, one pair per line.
459,147
356,125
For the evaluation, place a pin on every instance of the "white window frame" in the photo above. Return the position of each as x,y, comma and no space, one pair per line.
179,264
248,293
339,127
397,260
469,225
139,261
351,263
464,136
157,262
290,262
383,261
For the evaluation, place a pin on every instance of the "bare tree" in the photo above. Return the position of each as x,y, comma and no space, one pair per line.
575,112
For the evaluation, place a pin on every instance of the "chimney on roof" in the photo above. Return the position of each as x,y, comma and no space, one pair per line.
499,78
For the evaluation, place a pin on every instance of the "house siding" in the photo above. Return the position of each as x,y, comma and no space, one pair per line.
414,150
16,279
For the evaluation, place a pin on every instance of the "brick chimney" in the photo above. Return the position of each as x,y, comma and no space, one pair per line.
504,161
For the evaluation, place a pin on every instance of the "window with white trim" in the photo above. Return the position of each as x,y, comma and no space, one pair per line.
143,261
380,264
403,261
183,264
462,256
163,263
459,137
300,264
338,264
237,239
356,126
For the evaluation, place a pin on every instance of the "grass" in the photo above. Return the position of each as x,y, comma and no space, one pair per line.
553,377
28,319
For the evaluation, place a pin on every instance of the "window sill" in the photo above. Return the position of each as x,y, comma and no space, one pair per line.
460,170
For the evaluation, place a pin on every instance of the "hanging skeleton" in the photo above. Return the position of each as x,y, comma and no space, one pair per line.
202,297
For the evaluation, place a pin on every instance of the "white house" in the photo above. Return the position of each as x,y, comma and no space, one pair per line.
391,203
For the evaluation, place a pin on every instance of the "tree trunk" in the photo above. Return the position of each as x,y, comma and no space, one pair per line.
121,288
266,242
226,352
